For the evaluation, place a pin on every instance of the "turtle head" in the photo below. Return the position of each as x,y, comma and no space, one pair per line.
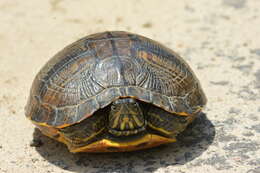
126,117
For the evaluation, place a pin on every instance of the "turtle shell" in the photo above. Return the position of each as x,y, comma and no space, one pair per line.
94,71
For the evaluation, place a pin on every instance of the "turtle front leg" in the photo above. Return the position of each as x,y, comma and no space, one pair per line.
167,124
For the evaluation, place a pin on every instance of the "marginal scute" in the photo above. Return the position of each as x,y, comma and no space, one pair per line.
107,96
196,98
122,91
44,113
87,108
139,93
161,101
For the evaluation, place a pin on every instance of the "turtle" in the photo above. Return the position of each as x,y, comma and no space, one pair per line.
114,91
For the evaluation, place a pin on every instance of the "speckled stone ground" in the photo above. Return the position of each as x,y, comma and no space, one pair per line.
220,39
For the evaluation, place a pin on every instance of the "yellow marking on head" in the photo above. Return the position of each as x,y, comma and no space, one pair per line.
138,122
104,145
122,125
131,126
125,119
116,121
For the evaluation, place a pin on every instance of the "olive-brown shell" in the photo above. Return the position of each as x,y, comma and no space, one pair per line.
98,69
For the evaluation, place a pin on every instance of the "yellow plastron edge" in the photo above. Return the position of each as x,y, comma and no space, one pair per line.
106,145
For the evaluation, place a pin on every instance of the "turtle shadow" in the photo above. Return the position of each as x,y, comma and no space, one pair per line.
191,144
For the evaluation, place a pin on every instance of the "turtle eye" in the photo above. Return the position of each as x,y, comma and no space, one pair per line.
135,104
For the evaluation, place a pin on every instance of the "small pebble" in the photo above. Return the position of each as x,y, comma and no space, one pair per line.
147,25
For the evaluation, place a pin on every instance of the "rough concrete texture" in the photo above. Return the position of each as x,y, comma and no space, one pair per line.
220,39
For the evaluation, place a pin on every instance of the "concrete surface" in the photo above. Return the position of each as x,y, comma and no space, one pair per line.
220,39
